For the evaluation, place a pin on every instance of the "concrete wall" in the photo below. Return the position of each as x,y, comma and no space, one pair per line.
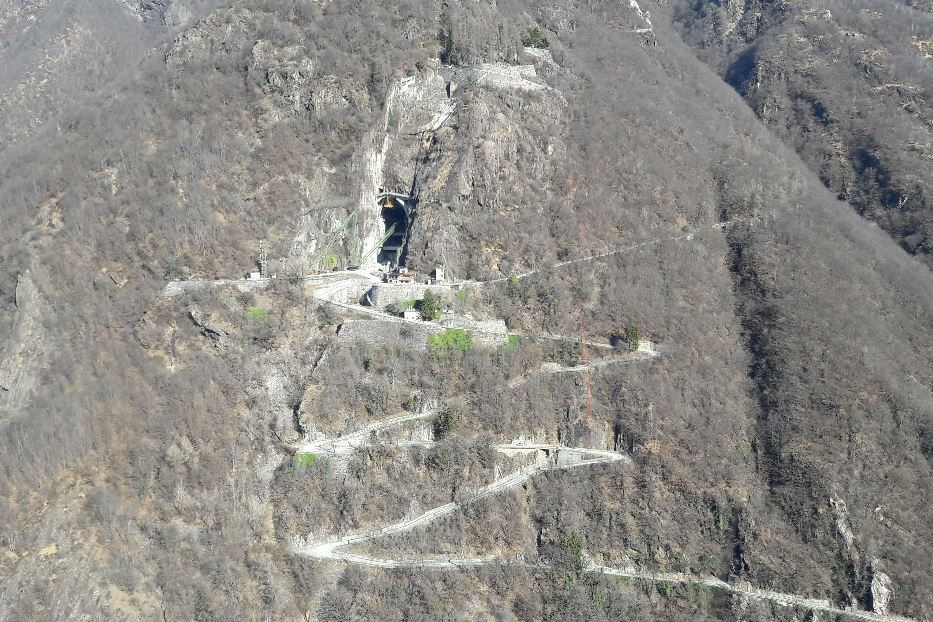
177,288
409,334
488,330
383,294
388,333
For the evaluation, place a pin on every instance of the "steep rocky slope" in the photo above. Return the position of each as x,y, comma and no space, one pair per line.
57,53
845,84
782,435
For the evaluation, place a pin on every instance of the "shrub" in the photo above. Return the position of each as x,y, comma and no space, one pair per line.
443,424
451,339
632,337
170,269
533,38
430,306
304,460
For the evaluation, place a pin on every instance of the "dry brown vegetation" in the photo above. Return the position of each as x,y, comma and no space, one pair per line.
152,464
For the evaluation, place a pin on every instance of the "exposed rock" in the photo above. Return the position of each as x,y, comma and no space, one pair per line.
843,526
25,350
212,327
502,76
882,591
221,30
176,15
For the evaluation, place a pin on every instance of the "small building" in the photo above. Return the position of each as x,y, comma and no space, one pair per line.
438,274
253,276
411,314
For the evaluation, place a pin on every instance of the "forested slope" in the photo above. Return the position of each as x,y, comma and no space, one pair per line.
845,84
782,435
58,53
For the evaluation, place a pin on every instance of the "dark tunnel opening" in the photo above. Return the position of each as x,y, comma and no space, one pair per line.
395,218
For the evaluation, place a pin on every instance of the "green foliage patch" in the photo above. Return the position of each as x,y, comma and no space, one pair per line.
451,339
443,425
534,38
430,306
632,336
257,313
304,460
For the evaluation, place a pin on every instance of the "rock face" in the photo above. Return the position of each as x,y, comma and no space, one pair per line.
882,592
24,353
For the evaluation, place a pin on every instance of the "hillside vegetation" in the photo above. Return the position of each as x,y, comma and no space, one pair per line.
175,454
847,85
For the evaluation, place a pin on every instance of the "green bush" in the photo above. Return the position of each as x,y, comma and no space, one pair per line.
451,339
511,343
533,38
632,336
600,597
171,269
304,460
571,557
430,306
257,313
443,424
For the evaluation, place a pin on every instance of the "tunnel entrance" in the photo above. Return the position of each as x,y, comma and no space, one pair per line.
394,211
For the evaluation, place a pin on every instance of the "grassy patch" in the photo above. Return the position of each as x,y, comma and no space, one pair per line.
257,313
304,460
511,343
600,597
451,339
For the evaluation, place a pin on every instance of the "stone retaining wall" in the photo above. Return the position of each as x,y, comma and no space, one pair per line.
382,295
177,288
411,334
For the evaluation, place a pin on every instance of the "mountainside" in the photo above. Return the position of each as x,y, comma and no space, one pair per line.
57,53
667,367
846,84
